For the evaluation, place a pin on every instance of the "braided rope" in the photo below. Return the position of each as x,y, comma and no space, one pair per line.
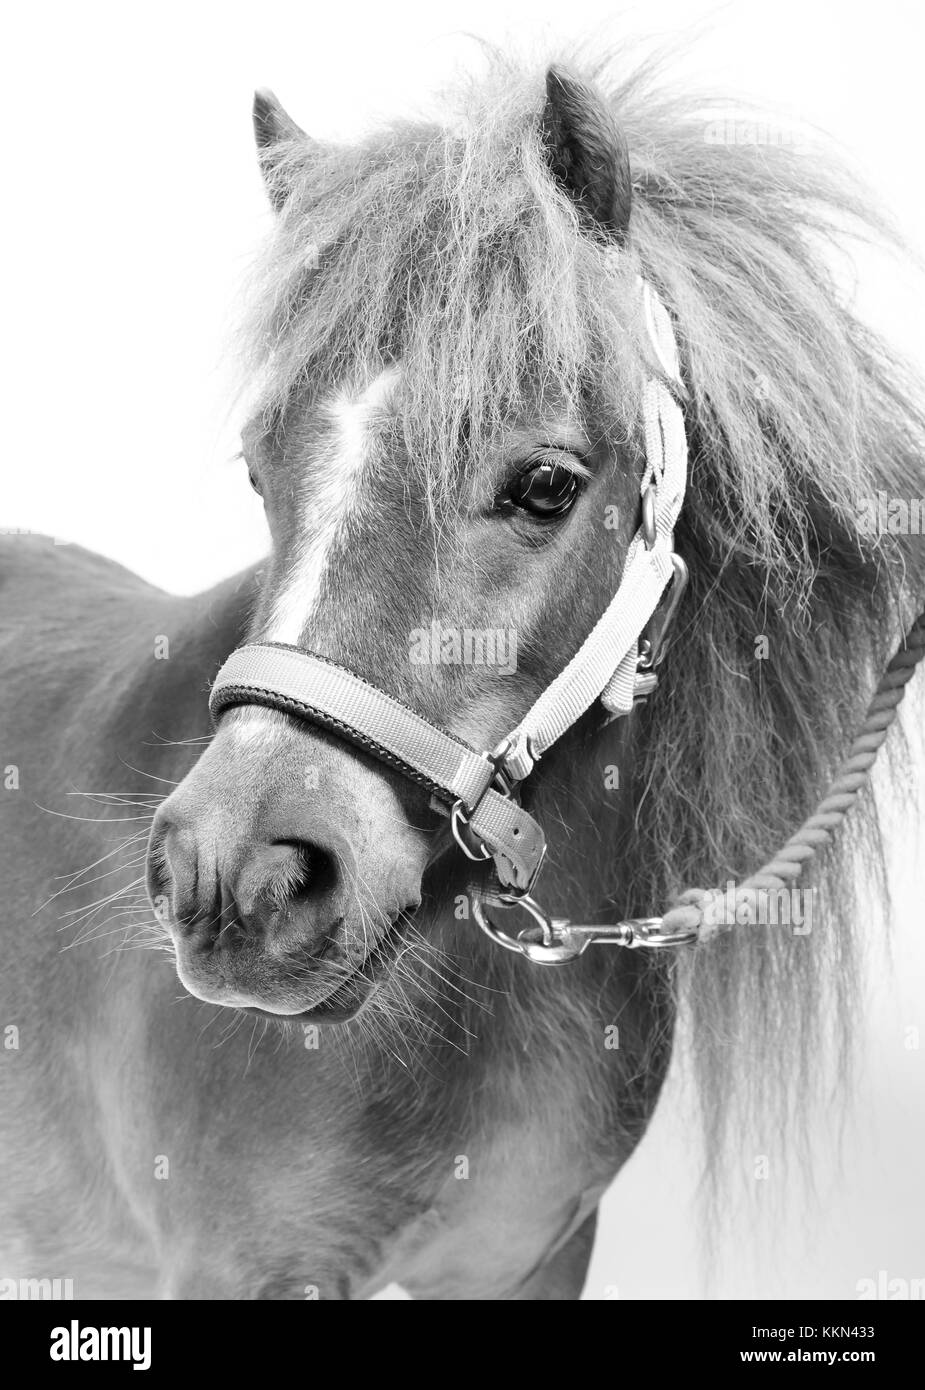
695,909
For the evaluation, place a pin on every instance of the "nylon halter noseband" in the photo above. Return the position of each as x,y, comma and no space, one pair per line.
615,663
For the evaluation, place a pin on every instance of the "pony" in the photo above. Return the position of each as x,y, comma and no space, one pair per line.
444,353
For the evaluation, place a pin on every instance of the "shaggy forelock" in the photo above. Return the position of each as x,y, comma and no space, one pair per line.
458,256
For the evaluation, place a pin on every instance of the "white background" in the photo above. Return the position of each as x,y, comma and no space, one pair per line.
133,205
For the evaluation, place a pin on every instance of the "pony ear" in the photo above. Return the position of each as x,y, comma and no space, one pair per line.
274,129
587,153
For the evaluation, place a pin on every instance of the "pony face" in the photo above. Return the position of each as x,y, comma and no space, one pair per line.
450,477
464,607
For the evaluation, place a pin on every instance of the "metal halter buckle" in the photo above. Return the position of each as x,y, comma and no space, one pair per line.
649,533
512,760
652,645
462,834
656,630
556,940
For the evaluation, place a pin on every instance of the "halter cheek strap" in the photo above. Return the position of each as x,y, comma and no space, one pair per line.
615,662
606,663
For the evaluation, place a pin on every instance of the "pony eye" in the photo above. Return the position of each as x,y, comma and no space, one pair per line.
251,472
548,490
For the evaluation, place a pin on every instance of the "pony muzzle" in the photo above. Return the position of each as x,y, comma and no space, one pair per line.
285,871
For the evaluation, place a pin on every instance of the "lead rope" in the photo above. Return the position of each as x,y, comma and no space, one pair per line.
693,910
701,914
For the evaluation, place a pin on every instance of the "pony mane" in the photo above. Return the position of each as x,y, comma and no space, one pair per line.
443,245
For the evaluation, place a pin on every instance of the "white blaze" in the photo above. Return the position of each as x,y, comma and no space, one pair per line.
334,495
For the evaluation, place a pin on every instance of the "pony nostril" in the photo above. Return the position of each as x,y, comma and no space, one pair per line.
183,891
311,873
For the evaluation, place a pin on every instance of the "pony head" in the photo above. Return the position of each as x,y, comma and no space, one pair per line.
450,350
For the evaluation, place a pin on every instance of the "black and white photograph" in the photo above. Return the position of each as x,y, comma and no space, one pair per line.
462,697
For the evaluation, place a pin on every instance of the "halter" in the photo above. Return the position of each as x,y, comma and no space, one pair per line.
617,664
